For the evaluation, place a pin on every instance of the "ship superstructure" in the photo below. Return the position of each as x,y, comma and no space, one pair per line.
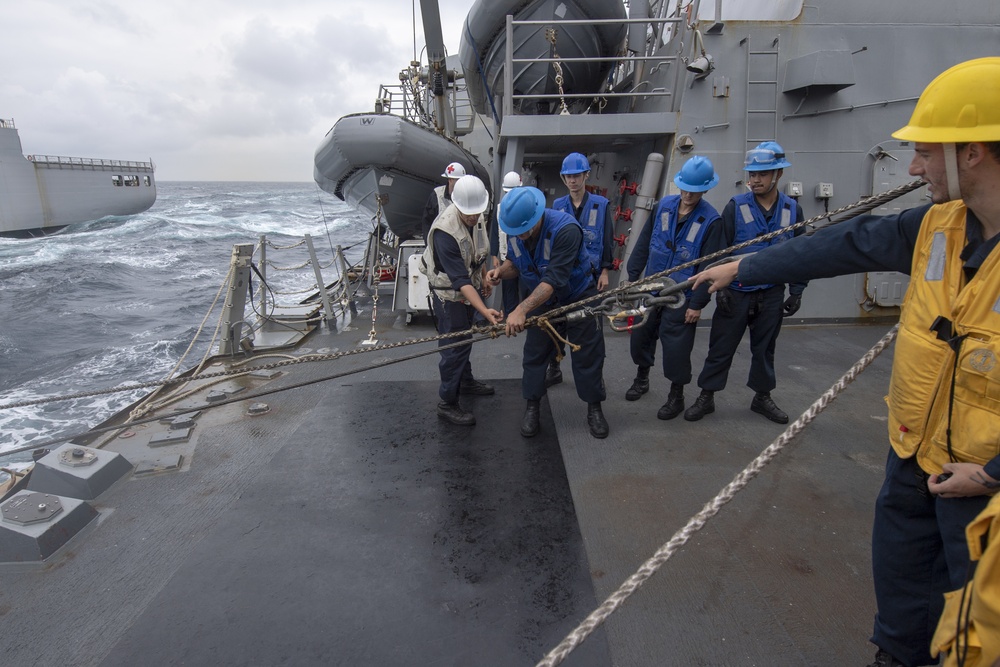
41,194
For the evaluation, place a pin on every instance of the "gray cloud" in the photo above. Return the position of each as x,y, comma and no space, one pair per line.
211,90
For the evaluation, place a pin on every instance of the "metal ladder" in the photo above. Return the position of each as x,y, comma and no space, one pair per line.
764,64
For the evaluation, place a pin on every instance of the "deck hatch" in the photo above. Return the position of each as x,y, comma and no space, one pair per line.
31,508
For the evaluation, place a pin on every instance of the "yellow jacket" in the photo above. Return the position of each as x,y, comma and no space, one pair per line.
978,603
920,391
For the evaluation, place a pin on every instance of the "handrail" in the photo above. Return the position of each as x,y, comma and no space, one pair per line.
509,60
90,162
7,123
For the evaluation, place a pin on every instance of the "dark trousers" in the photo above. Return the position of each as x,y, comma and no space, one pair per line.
587,363
919,552
676,338
509,294
760,311
454,365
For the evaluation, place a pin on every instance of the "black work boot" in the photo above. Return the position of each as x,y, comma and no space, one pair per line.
640,385
476,388
675,403
529,424
883,659
454,413
553,374
763,405
703,405
596,422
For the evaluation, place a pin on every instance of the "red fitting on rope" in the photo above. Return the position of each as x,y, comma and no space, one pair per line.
623,214
621,239
628,187
616,263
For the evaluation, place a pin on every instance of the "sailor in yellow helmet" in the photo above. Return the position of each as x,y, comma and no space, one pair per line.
944,395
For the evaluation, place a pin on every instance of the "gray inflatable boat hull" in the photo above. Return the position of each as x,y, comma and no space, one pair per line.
483,48
370,157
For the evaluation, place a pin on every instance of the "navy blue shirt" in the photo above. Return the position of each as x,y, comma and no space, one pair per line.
729,228
866,243
448,258
714,238
432,211
607,250
565,250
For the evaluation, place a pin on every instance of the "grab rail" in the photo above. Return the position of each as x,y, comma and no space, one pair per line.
94,163
509,97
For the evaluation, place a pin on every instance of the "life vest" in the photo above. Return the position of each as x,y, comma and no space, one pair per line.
442,196
531,267
665,249
979,601
921,402
593,214
502,245
474,244
750,224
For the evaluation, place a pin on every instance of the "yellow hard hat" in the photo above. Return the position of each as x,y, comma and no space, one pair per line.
960,105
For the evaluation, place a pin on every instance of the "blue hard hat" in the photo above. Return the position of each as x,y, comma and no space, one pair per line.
767,156
520,210
575,163
697,175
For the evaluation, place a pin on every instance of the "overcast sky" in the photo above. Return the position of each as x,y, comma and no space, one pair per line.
209,90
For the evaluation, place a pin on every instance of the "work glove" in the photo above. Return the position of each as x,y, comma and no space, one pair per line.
724,302
792,305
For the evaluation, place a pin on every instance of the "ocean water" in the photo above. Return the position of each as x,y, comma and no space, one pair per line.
117,301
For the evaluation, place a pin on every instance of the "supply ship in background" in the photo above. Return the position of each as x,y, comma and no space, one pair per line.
41,194
333,519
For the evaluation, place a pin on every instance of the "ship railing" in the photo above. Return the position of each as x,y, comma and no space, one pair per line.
400,100
257,317
7,123
412,103
626,64
62,162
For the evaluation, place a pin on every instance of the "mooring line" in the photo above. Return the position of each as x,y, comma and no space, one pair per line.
698,521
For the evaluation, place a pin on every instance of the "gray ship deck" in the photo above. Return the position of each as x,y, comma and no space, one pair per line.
351,526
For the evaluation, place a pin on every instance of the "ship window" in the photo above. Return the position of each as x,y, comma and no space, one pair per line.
147,181
117,180
131,181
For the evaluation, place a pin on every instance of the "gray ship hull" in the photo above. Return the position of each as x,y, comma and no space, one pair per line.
41,194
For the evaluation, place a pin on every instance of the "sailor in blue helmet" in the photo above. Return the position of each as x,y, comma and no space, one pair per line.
674,235
545,250
498,245
761,210
594,215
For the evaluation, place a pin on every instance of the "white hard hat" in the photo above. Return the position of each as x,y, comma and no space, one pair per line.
470,196
454,170
511,180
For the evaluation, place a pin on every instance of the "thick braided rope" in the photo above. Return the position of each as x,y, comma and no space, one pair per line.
649,568
855,208
846,212
493,331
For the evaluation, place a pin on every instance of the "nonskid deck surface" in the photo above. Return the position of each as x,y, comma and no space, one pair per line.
351,526
377,539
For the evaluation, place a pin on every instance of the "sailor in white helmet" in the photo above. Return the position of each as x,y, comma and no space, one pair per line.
454,262
441,196
498,246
